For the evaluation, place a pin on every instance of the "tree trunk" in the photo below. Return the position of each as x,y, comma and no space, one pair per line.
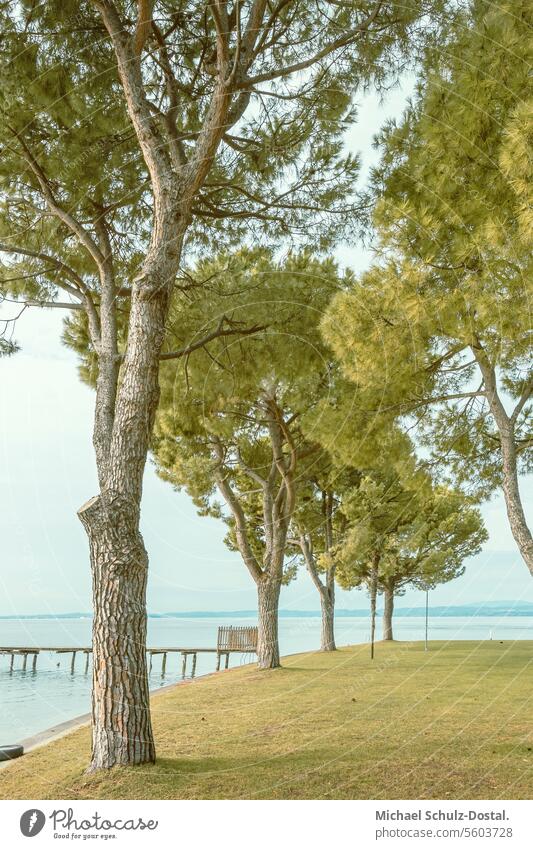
327,634
513,502
373,599
268,590
387,613
326,590
506,429
122,732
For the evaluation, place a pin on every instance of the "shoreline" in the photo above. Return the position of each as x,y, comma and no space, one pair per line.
56,732
329,734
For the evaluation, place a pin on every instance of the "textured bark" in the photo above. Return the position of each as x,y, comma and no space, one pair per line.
326,591
268,590
125,417
506,429
327,631
388,610
513,502
326,588
278,506
122,732
123,424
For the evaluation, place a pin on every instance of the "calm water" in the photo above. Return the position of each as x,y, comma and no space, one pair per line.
31,702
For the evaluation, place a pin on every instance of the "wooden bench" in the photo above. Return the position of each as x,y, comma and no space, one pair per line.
235,638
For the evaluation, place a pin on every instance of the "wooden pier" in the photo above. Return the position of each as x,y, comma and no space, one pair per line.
231,640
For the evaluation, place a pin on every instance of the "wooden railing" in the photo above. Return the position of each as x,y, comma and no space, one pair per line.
237,638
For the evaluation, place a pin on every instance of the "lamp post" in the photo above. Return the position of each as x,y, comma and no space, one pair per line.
427,618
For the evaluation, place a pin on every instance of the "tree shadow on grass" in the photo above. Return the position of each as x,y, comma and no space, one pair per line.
271,776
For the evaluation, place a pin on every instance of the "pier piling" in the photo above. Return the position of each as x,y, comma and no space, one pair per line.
242,640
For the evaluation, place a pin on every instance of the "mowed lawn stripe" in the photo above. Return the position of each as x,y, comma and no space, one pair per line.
453,722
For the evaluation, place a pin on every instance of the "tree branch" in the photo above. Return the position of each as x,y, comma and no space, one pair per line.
491,387
526,394
284,501
82,234
303,542
56,263
143,27
340,42
249,471
80,291
238,514
215,334
152,144
54,305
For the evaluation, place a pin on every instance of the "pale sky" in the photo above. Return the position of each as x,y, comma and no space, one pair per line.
47,471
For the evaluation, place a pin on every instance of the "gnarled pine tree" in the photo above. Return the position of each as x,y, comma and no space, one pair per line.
128,131
236,431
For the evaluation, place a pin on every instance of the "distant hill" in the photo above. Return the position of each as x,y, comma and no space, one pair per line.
505,608
482,608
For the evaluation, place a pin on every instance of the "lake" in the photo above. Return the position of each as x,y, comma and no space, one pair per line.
33,701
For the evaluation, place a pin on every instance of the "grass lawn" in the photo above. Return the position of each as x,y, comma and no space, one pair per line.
453,722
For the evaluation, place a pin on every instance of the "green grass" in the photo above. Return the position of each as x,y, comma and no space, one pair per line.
454,722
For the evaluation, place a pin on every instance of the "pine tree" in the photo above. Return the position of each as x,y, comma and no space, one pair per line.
236,433
132,132
405,532
318,528
437,332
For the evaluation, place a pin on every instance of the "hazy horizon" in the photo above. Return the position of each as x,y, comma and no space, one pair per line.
503,604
